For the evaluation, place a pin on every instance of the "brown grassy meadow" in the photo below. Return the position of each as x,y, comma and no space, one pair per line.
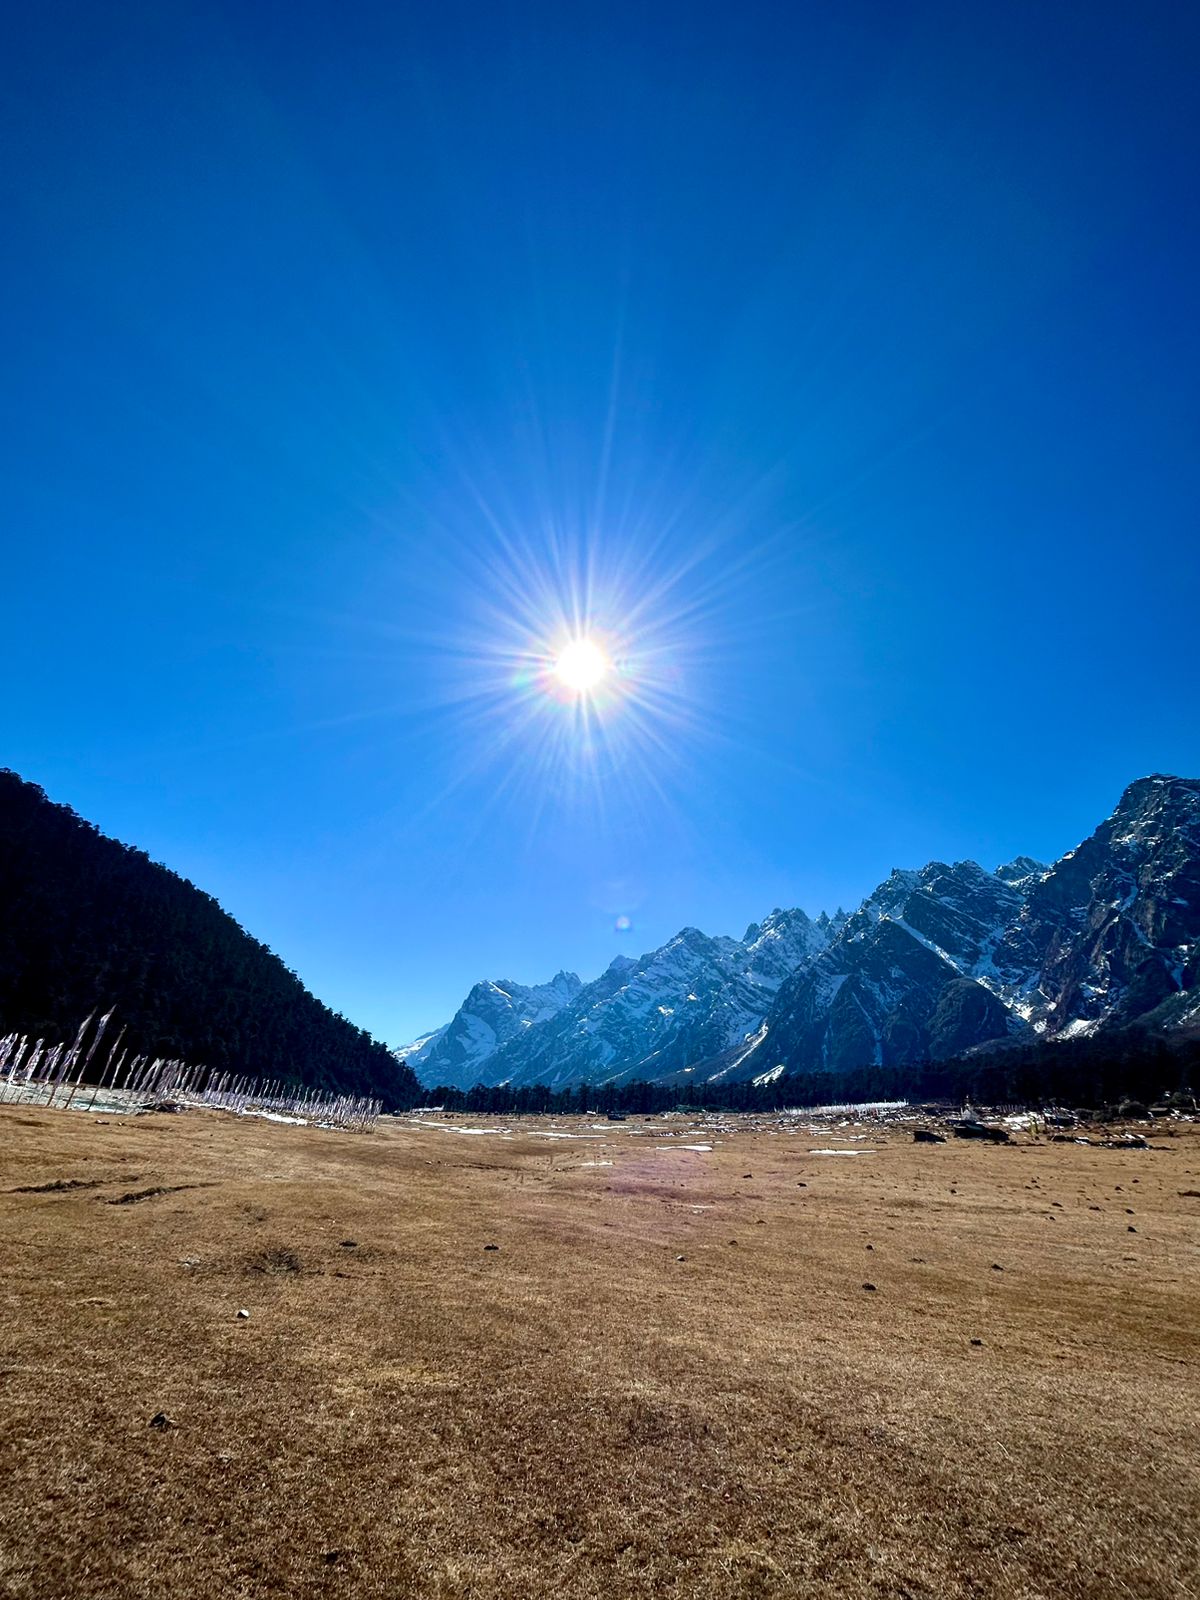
1011,1411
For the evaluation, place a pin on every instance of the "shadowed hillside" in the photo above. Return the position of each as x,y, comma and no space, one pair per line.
87,922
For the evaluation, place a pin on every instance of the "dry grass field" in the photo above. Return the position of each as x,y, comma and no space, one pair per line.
669,1378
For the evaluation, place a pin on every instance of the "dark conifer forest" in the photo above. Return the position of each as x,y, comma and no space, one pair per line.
1089,1075
87,922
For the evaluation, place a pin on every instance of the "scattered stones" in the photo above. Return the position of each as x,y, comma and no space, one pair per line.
491,1247
996,1267
977,1341
161,1421
681,1258
243,1315
349,1244
927,1136
1131,1228
869,1287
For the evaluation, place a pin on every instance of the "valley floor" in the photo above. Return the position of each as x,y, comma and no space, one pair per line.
671,1377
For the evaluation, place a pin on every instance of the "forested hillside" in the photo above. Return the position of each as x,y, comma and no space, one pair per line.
86,921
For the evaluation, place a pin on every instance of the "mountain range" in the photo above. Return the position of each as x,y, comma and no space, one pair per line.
694,998
933,964
947,962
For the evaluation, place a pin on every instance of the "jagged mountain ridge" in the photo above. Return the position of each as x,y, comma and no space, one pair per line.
934,963
652,1015
1115,924
913,976
649,1018
492,1014
950,958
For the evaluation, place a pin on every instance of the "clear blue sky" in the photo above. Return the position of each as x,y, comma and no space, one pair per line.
849,353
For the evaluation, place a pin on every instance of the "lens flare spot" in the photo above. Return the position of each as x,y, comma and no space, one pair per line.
582,666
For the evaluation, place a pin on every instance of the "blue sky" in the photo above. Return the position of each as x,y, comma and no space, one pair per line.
839,363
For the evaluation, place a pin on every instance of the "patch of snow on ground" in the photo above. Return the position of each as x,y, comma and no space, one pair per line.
449,1127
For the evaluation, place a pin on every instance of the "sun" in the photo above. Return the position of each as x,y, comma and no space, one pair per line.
582,666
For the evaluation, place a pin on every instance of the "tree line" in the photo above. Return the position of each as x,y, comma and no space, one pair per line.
1081,1074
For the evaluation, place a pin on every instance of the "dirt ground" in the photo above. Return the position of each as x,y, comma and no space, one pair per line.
753,1370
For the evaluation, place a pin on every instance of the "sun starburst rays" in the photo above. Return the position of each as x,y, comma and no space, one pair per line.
563,669
567,687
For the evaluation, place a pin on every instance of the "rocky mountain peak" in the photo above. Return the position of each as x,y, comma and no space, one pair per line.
1021,870
934,962
494,1012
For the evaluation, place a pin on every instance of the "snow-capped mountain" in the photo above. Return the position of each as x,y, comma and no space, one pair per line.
652,1017
649,1017
939,961
932,964
490,1016
1114,926
915,974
